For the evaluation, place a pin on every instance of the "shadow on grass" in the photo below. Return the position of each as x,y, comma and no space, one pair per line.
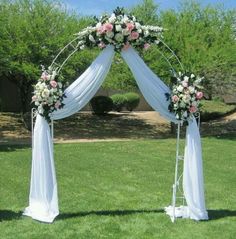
221,213
63,216
10,148
7,215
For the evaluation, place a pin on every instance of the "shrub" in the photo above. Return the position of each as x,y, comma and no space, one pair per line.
119,101
101,105
212,109
132,100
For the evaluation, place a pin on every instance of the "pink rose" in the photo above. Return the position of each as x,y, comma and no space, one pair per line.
57,104
134,35
108,27
192,109
101,45
199,95
34,98
175,98
184,84
45,76
53,84
146,46
129,26
126,46
101,29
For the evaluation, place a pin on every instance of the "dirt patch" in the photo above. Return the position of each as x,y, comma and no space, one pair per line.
85,126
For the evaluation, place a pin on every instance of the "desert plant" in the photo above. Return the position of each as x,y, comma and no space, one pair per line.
101,105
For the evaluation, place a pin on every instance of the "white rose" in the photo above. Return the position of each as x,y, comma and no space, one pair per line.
146,33
119,37
186,78
191,89
138,25
180,88
110,34
45,93
118,28
125,32
192,76
186,98
139,30
125,19
99,24
91,38
112,18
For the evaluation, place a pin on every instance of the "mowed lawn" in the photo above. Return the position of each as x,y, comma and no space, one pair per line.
119,190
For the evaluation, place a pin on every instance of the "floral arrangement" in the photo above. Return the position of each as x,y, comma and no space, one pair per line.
185,95
48,93
120,30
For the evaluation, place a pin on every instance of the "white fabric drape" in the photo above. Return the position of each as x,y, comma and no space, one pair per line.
85,87
193,185
43,201
153,90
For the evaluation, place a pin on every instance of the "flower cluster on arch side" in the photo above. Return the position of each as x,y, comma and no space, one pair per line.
121,31
186,93
48,93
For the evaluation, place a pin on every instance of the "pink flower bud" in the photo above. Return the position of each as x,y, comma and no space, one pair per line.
146,46
199,95
134,35
175,98
108,27
129,26
53,84
192,109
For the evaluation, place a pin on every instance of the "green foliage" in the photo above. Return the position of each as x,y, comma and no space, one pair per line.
146,11
213,109
204,40
119,101
32,33
119,190
101,105
132,100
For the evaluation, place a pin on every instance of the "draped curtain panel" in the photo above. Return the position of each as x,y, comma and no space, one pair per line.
43,201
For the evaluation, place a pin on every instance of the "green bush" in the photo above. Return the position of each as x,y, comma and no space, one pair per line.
212,109
101,105
132,100
119,101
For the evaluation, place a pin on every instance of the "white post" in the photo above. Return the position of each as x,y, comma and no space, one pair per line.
176,174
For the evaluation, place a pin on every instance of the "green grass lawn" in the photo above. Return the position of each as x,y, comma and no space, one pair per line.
118,190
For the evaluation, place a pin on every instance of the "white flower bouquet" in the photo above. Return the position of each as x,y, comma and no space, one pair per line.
120,30
185,95
48,93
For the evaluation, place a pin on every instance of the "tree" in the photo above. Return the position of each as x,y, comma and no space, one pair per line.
31,33
204,40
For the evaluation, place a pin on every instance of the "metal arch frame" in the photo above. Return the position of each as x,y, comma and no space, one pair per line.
75,46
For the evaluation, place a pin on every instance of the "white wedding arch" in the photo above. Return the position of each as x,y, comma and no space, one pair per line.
43,198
